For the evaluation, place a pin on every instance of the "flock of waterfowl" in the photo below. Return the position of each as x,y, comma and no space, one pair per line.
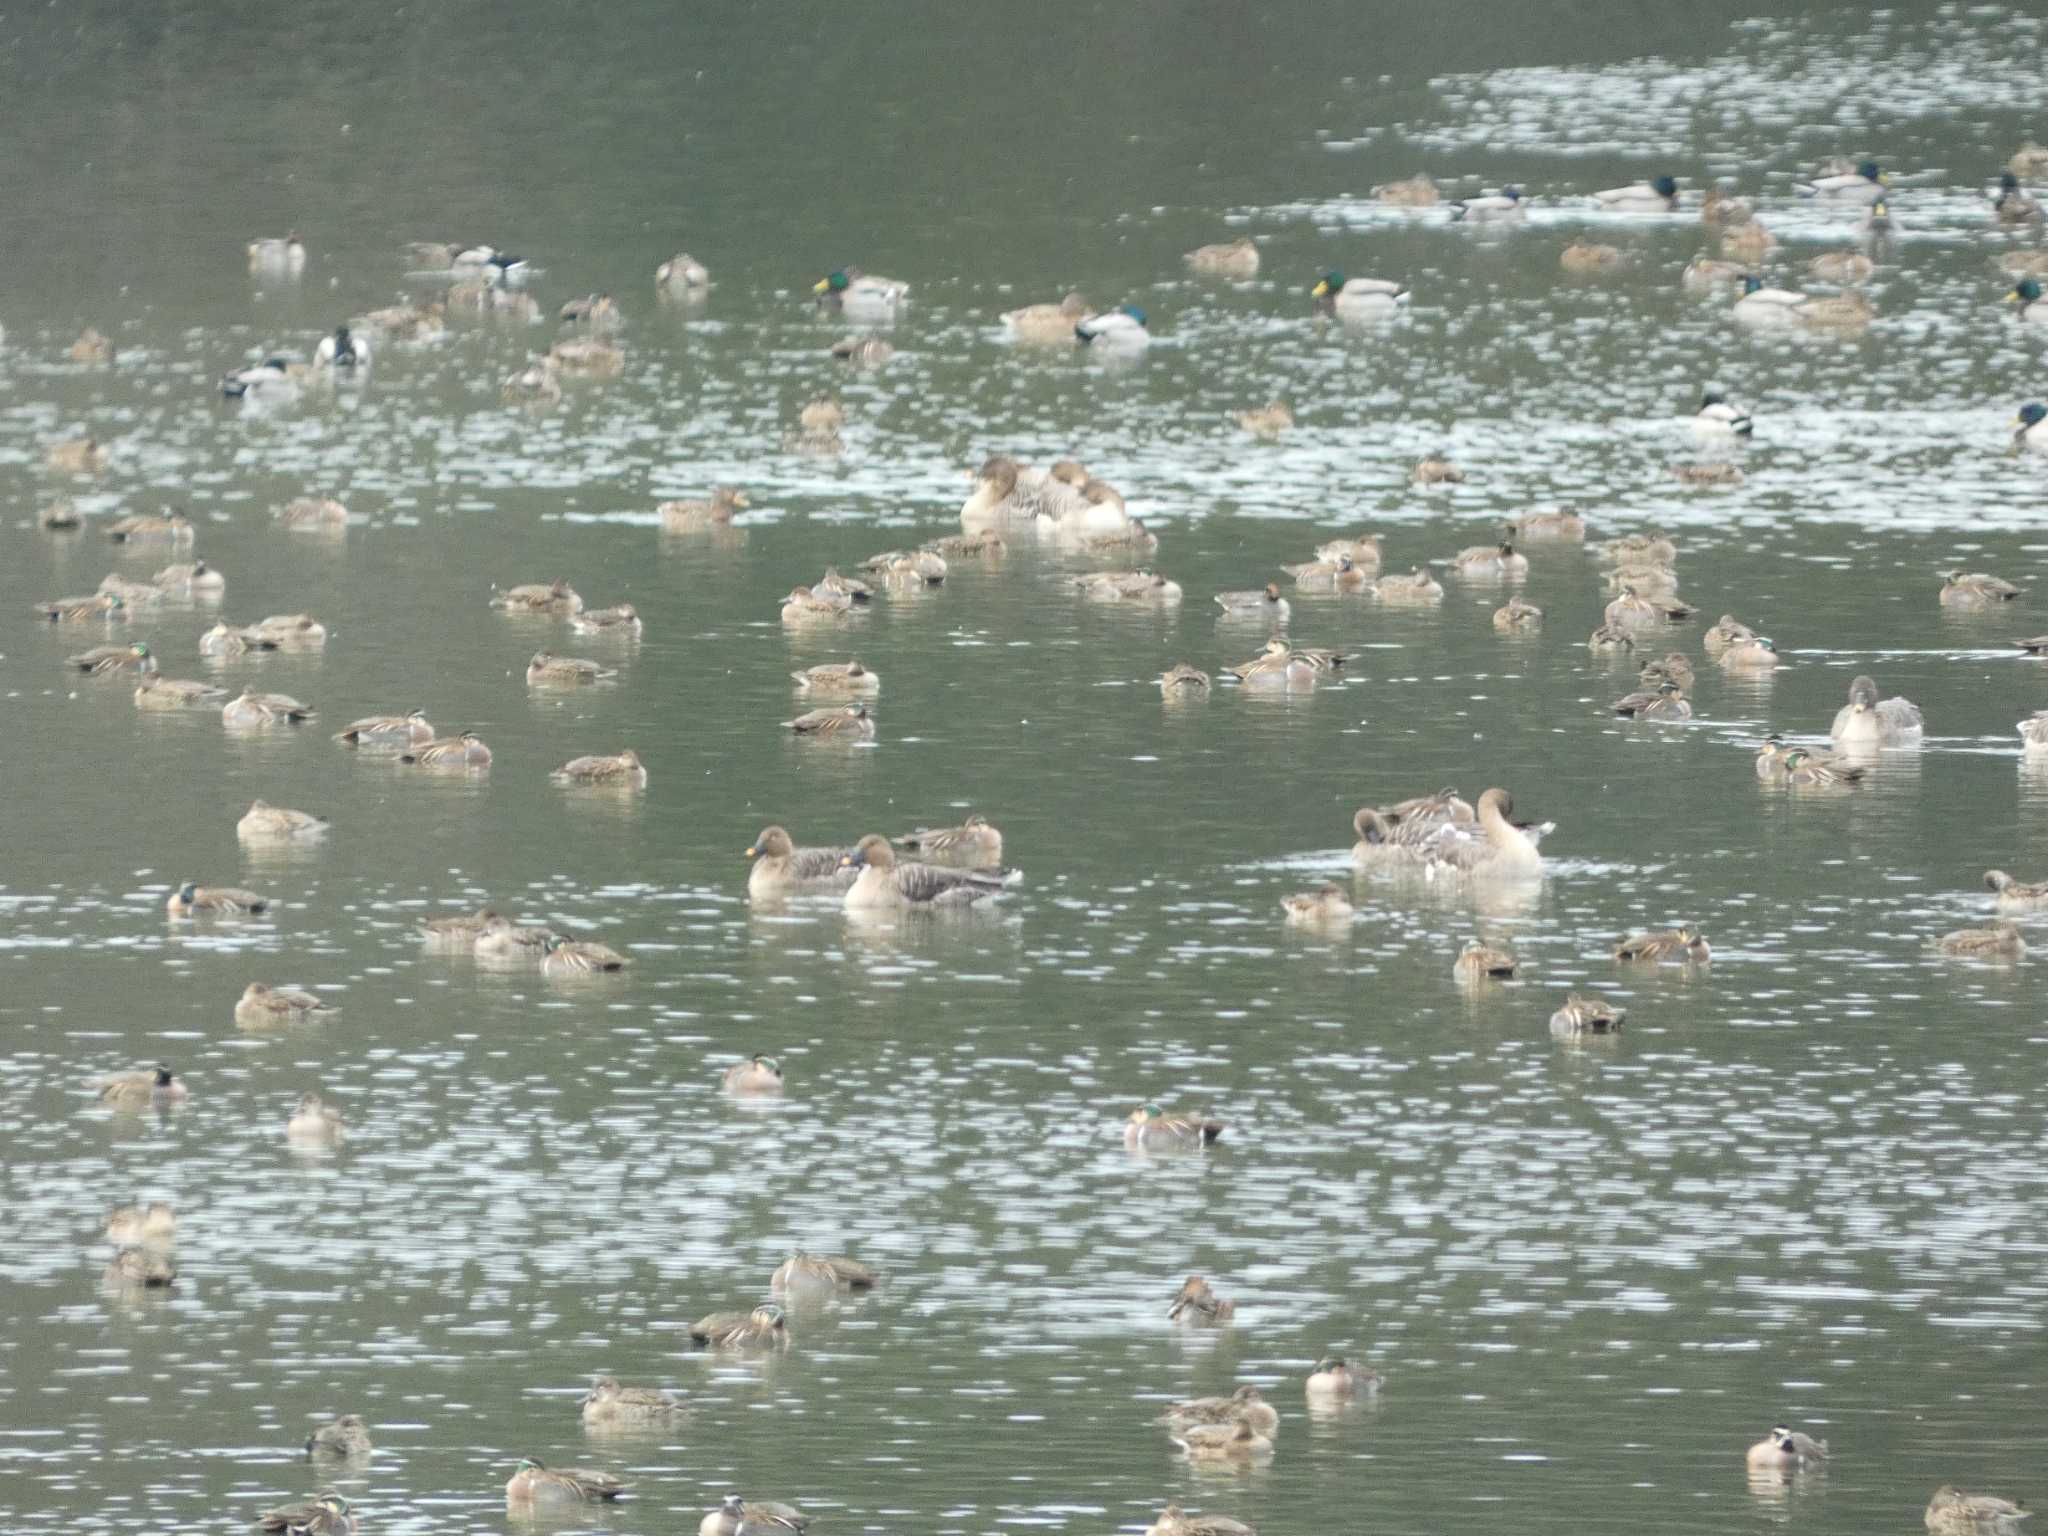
1433,837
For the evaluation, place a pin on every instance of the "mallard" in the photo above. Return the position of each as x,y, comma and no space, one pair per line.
696,516
906,567
2000,940
327,1515
313,1119
225,639
548,670
277,256
1128,586
1632,610
763,1328
1281,663
264,822
848,722
346,1436
1951,1512
261,1006
1657,195
1263,602
608,1404
1221,1442
1435,469
1497,562
1517,616
1585,258
1784,1449
1975,589
1638,549
193,576
1759,305
1123,329
2027,429
275,378
1584,1014
1609,638
736,1516
1725,632
1357,297
251,709
166,526
1756,654
105,660
1845,269
884,883
622,770
154,1086
1494,208
1806,770
1325,904
579,957
1266,422
1668,668
862,351
77,456
1238,260
191,899
2033,309
1717,418
292,629
140,1269
1483,962
1197,1304
1334,1376
153,1225
780,868
410,729
859,296
342,349
499,938
757,1074
1703,274
2015,895
838,677
1418,586
107,606
1683,943
974,844
811,1272
91,347
1865,184
1245,1405
318,514
534,1483
1172,1522
539,383
1493,844
460,929
1722,209
1666,702
467,751
1336,573
804,604
1150,1129
682,276
1868,721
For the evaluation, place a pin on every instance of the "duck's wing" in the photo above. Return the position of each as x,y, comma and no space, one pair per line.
819,864
922,884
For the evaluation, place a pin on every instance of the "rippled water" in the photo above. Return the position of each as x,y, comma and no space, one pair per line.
1804,1183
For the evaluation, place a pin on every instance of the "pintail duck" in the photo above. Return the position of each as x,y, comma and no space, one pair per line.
152,527
1784,1449
191,899
410,729
696,516
859,296
313,514
974,844
579,957
1264,602
1119,586
2030,160
682,276
1150,1129
1334,1376
1236,259
1808,771
1357,298
588,357
1046,324
547,670
1198,1305
2015,895
262,1006
621,770
1868,721
608,1404
1494,844
1667,702
467,751
805,604
1325,904
251,709
595,311
346,1436
1266,422
1418,586
264,822
1483,962
1173,1521
811,1272
1657,195
1183,679
1683,943
1951,1512
763,1328
884,883
1400,833
1722,209
1974,589
2000,940
780,868
154,1224
150,1088
1246,1404
832,587
757,1074
404,322
850,722
1589,258
534,1483
736,1516
1362,551
1006,494
314,1120
139,1268
1638,549
299,631
1416,191
1584,1014
1280,662
190,576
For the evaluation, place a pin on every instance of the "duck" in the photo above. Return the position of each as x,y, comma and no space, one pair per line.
1045,324
193,577
906,568
77,456
1586,258
468,751
1246,1404
1493,844
881,882
780,868
1632,610
763,1328
821,1273
2026,293
1504,206
191,899
1610,638
681,276
1150,1129
1683,943
838,677
1483,962
152,1225
974,844
1704,274
108,606
1756,654
620,770
757,1074
1868,721
1357,297
404,322
1717,418
313,514
2000,940
862,351
226,639
609,1405
1123,329
1497,561
1865,184
859,296
2014,204
1417,191
621,619
1671,667
1325,904
105,660
1418,586
139,1268
1657,195
494,266
1222,1442
1725,632
1808,771
2015,895
1650,580
1584,1014
1263,602
292,629
547,670
539,383
1845,269
1666,702
264,822
1951,1512
1334,1376
1759,305
594,311
1722,209
327,1515
149,527
589,357
2027,429
1748,242
313,1119
736,1516
696,516
91,347
1784,1450
60,516
849,722
1128,586
822,415
346,1436
1401,832
261,1006
1435,469
1237,259
460,929
1196,1304
251,709
1564,525
1517,616
1279,662
342,349
275,378
410,729
1638,549
1841,312
2030,159
1266,422
1363,551
579,957
153,1087
499,938
534,1483
1975,589
1337,573
1770,759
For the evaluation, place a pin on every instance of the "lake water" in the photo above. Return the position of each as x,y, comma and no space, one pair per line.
1805,1183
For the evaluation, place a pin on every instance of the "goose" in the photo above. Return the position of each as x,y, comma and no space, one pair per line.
780,868
884,883
1492,845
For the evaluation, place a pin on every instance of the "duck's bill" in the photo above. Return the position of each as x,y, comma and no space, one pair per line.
821,285
1319,291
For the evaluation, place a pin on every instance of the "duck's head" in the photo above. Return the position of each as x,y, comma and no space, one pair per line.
1133,311
766,1063
1870,171
1751,283
1272,592
1329,283
2026,291
768,1316
530,1464
1669,689
732,1504
275,364
999,473
1863,693
1276,646
188,893
603,1389
1711,398
309,1101
873,851
1687,934
1665,186
1796,756
2008,182
164,1076
333,1501
836,282
2032,414
1330,1363
1144,1113
1512,192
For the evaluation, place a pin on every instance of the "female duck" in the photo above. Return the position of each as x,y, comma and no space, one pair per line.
1517,616
850,722
314,1120
1584,1014
194,900
1151,1129
534,1484
1868,721
1173,1522
697,516
974,844
1199,1306
1999,941
547,670
803,1272
267,823
328,1515
1975,589
410,729
757,1074
467,751
575,957
1245,1404
1325,904
1334,1376
153,1225
1046,324
1236,259
347,1436
1483,962
763,1328
682,276
262,1006
1951,1512
622,770
1684,944
1417,191
253,710
1417,587
2015,895
610,1405
1358,298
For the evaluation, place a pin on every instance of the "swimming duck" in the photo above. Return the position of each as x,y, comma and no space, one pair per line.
275,378
1703,274
1124,329
190,576
589,357
60,516
1183,679
1133,536
313,514
314,1120
1609,638
1841,312
1325,904
1845,269
579,957
1722,209
1492,845
346,1436
1808,771
1238,260
410,729
804,605
1334,1376
1495,208
1638,549
883,882
1666,702
1417,191
154,1086
465,751
1267,422
621,770
1418,586
1337,573
1726,632
108,606
327,1515
1974,589
1151,1129
974,844
1435,469
859,296
77,456
261,1006
494,266
539,383
225,639
838,677
105,660
91,347
251,709
534,1483
2033,309
1245,1405
1668,668
264,822
1657,195
736,1516
850,722
1517,616
608,1404
343,349
1868,721
1587,258
1584,1014
291,629
1357,297
548,670
1717,418
191,899
1265,602
1198,1305
460,929
1362,551
1281,663
821,415
1222,1442
2015,895
1951,1512
277,256
2030,159
1497,562
1632,610
595,311
2027,429
153,1225
763,1328
780,868
834,587
817,1273
1770,759
907,567
1483,962
757,1074
167,525
140,1269
681,276
1047,324
1756,654
1683,943
404,322
1758,305
695,516
1785,1449
2000,940
1865,184
499,938
1650,580
1400,833
1121,586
